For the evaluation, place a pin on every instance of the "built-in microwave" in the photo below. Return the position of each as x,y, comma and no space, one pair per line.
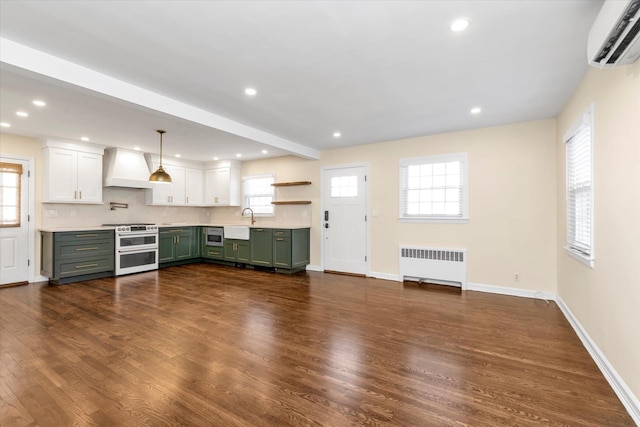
215,236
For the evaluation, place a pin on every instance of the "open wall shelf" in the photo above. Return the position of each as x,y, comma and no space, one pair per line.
290,184
293,202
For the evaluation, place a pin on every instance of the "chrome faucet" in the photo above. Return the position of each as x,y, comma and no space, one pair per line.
253,221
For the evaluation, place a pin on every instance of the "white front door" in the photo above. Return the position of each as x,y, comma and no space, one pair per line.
344,219
14,227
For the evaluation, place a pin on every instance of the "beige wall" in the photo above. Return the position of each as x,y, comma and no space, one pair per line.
512,209
606,299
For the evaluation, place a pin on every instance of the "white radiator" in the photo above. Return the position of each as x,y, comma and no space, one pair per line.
436,264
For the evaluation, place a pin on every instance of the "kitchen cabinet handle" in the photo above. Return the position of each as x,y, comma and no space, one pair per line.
87,249
81,195
75,195
86,235
259,229
187,199
178,237
86,265
280,239
176,230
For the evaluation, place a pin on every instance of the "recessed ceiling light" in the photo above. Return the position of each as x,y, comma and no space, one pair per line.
337,134
216,158
22,114
178,155
136,148
476,110
5,125
264,152
39,103
238,155
84,138
250,91
459,24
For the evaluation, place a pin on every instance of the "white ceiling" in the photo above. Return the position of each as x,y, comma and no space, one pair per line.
373,70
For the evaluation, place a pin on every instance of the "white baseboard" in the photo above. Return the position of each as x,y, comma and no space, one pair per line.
311,267
626,396
384,276
516,292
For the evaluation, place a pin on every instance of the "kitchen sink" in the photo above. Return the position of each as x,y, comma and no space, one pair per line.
240,232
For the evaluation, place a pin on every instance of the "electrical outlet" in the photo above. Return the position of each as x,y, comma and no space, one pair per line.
516,277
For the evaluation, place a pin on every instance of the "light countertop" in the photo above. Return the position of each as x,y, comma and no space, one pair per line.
177,224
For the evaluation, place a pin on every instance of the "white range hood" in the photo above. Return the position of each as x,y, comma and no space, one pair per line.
125,168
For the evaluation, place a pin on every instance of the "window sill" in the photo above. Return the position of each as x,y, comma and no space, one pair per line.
579,257
435,220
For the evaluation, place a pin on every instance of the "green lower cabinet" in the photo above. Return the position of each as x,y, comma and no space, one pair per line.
282,252
237,250
166,247
178,244
261,247
185,249
282,249
291,248
73,256
213,252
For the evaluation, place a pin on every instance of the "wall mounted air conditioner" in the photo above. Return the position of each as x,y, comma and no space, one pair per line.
614,38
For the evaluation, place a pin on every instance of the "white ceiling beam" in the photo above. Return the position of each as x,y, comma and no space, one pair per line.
30,59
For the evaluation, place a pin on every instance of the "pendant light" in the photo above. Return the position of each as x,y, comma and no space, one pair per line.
160,176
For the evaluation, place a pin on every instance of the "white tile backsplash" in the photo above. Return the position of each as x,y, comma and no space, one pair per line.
65,215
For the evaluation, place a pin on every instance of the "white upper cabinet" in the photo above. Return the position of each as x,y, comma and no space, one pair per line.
185,188
73,173
222,184
168,194
194,186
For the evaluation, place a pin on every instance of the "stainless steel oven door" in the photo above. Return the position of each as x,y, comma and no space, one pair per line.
136,261
135,241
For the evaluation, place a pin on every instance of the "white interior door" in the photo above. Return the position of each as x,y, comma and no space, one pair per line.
14,230
345,232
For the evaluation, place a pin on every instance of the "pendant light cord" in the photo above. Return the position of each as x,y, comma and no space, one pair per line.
161,132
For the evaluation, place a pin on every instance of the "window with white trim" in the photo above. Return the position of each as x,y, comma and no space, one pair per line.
257,194
579,183
434,188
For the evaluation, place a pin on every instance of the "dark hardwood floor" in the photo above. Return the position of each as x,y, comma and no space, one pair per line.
205,345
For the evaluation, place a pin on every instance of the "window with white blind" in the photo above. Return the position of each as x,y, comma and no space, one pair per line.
434,188
579,181
10,176
257,194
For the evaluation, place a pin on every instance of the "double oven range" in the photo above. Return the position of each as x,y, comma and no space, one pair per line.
136,247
